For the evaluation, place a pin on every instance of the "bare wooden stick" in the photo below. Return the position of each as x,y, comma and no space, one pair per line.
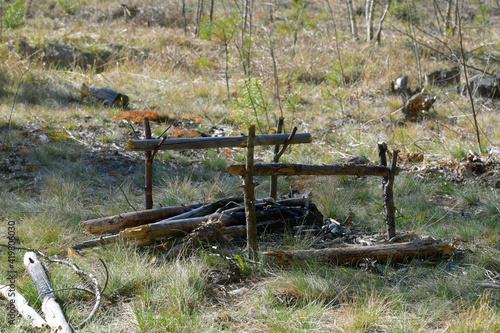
21,304
382,253
274,179
216,142
285,145
96,242
389,197
53,313
249,188
148,189
281,169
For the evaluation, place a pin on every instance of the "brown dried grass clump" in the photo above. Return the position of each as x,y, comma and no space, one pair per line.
176,133
138,116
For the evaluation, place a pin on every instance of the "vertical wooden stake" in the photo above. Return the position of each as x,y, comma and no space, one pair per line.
387,186
389,197
249,197
148,189
382,149
274,179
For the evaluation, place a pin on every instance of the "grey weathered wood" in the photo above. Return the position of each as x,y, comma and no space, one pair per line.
282,169
168,227
97,242
133,219
108,96
382,253
21,304
216,142
207,208
53,313
178,228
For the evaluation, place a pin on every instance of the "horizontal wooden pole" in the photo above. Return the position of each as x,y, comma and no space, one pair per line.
281,169
216,142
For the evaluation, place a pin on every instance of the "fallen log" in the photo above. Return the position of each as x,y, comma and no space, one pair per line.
132,219
53,313
21,304
105,240
177,228
191,223
205,234
216,142
311,216
207,208
115,223
239,231
383,253
281,169
108,96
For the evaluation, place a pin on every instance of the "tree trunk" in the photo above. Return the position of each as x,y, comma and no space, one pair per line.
53,313
382,253
379,31
447,21
352,21
369,20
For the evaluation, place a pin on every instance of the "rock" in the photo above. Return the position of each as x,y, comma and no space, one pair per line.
358,160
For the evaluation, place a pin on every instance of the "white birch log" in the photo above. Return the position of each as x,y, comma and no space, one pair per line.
53,313
21,305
